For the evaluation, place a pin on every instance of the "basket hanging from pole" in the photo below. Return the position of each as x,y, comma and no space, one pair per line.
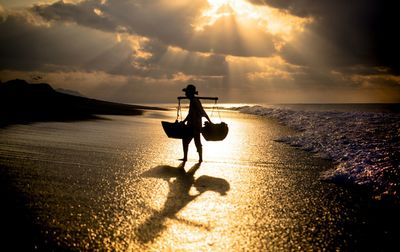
214,131
210,131
176,129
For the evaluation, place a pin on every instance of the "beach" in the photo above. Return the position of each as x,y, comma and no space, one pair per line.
116,184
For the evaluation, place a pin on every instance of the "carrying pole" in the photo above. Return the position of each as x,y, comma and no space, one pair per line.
199,97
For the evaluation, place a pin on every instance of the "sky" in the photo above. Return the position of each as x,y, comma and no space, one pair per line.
248,51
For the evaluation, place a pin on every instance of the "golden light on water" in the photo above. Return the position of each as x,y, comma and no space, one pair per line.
176,199
130,193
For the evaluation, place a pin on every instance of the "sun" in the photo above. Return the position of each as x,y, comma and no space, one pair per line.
268,19
221,8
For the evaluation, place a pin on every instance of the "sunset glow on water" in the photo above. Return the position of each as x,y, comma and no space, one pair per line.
117,185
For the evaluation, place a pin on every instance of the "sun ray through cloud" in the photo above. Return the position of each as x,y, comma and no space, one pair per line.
205,36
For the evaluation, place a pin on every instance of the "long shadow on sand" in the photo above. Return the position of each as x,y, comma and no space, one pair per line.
178,197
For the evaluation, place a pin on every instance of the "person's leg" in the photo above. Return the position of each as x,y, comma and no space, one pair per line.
199,148
185,144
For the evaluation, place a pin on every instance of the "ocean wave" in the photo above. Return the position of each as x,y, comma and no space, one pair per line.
363,145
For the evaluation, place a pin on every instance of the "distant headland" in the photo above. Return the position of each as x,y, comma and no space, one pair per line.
22,102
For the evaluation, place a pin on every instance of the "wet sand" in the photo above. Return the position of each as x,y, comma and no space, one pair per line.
117,185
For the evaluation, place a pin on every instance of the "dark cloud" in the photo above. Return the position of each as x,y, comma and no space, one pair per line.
59,47
83,13
163,21
29,46
299,8
167,21
360,31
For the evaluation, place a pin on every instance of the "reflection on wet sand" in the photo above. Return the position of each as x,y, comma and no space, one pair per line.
180,183
103,186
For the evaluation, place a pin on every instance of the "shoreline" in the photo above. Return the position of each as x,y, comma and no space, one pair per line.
361,144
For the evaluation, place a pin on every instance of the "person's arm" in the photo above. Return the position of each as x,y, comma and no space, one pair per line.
206,116
187,117
203,112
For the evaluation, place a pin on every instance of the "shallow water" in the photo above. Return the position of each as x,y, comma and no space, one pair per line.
363,141
116,184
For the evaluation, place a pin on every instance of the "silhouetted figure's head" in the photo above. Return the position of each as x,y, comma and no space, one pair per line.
190,90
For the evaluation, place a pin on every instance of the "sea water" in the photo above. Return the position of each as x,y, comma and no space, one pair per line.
361,139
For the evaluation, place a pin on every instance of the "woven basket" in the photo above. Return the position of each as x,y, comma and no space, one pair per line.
214,132
175,130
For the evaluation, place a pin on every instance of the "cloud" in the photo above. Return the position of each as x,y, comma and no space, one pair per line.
193,63
28,46
171,22
58,46
302,51
3,14
358,32
84,13
344,33
231,37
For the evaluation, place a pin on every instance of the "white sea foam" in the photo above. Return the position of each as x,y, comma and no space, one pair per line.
363,145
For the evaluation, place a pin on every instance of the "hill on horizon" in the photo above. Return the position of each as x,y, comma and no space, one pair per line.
22,102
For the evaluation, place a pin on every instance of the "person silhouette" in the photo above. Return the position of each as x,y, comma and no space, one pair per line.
194,122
